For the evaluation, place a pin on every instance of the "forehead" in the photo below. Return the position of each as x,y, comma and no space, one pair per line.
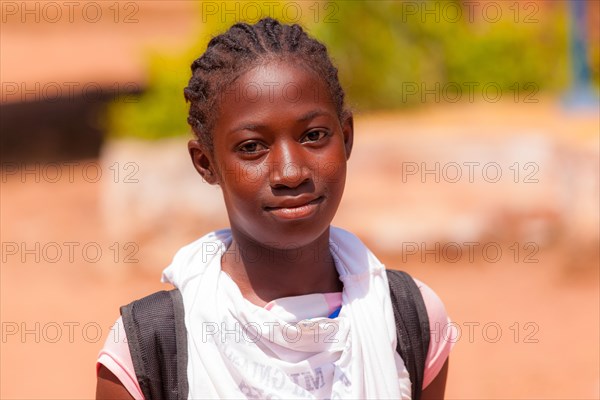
271,91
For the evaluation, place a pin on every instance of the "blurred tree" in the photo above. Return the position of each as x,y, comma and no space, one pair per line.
385,48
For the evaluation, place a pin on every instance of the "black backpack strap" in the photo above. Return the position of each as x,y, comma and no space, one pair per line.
412,326
155,329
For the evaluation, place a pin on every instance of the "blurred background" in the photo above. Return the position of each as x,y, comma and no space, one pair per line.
475,168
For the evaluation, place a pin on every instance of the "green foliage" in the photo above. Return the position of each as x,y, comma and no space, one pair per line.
379,49
160,111
384,49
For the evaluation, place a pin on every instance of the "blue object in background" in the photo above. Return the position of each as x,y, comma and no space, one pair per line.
581,94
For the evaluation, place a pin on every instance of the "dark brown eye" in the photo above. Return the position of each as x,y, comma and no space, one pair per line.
250,147
315,136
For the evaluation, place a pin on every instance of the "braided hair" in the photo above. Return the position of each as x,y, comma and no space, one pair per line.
243,47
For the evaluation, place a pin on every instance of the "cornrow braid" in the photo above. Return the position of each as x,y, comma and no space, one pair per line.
241,48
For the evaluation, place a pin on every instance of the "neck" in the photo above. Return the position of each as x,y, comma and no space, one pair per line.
265,273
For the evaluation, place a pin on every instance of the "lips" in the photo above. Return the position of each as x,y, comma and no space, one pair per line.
295,208
295,202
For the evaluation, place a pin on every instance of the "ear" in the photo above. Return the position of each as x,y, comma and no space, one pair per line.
203,161
348,132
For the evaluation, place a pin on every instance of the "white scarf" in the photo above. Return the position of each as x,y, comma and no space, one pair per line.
239,350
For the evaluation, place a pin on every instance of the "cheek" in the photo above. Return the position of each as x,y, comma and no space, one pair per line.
332,170
334,174
238,197
241,189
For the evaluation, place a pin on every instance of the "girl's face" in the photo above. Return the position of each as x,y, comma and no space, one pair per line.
280,155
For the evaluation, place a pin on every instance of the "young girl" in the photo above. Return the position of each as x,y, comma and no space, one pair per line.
282,304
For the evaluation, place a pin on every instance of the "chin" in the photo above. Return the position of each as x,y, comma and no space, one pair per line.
287,235
302,237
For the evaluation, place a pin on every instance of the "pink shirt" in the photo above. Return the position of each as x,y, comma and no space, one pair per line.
116,358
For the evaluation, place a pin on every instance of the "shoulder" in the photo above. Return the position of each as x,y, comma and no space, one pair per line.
436,310
116,360
443,334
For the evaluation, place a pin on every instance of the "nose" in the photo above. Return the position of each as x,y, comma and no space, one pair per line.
289,166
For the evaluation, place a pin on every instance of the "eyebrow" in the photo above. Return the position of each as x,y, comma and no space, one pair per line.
251,126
